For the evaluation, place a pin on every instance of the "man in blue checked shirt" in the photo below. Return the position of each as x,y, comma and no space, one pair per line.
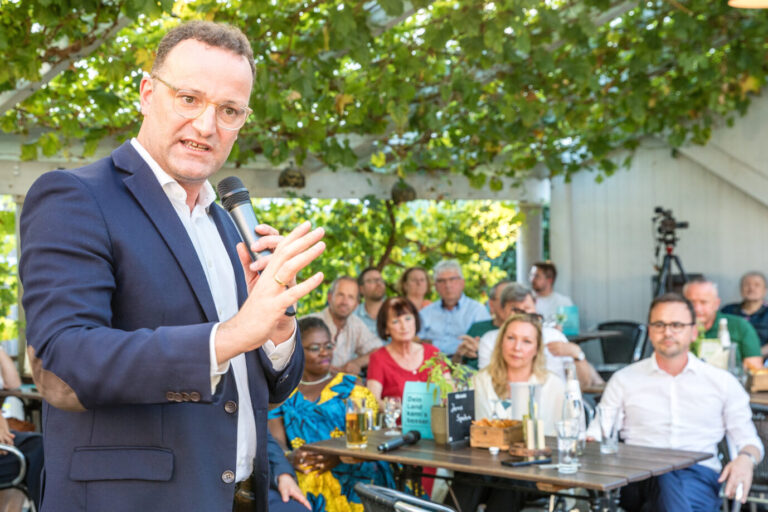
445,321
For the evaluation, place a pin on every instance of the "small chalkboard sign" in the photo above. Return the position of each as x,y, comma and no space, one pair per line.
418,399
461,412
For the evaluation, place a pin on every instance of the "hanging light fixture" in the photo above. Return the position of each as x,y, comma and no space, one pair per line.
749,4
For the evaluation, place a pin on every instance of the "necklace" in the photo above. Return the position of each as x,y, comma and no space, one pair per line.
318,381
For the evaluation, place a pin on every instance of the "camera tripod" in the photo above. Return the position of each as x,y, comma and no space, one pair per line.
666,271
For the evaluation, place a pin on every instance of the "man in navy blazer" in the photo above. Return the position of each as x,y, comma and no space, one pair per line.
156,345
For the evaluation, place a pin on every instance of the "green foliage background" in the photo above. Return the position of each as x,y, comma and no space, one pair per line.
393,237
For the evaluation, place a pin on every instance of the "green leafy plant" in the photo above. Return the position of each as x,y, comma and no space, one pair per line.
446,376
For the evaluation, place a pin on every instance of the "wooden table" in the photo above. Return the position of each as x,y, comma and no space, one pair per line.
603,475
593,335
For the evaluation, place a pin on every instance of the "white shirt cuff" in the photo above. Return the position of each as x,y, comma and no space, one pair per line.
281,354
217,370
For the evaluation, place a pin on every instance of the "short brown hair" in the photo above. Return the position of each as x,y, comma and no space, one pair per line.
400,306
404,278
219,35
549,269
671,298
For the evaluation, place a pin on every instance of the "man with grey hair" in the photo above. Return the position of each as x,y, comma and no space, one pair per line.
753,307
518,299
446,320
702,293
354,341
466,353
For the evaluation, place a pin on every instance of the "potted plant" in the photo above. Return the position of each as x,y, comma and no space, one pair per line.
445,377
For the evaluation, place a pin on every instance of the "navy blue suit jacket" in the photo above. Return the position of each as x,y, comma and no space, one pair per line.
119,315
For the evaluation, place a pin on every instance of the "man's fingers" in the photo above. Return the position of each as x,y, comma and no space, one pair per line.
266,229
288,270
291,247
303,500
303,288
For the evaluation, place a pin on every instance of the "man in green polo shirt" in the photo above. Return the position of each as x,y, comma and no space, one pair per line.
706,302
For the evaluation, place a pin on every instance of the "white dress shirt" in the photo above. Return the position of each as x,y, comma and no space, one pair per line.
220,275
555,364
690,411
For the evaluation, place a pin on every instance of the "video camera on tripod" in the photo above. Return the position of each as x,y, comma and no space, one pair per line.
666,226
665,233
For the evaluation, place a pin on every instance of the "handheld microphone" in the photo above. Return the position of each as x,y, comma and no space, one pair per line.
411,437
237,201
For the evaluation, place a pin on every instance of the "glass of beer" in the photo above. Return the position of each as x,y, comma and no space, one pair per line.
358,423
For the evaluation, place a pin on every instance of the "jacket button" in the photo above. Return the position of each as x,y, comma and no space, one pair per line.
230,407
194,396
169,395
228,477
185,396
177,397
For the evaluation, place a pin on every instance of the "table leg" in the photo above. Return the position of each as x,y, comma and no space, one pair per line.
608,500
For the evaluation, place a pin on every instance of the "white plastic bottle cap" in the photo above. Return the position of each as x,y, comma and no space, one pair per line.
494,450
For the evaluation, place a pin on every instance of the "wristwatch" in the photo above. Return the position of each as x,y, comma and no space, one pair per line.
581,356
752,457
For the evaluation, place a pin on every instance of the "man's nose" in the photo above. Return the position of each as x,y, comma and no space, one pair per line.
205,123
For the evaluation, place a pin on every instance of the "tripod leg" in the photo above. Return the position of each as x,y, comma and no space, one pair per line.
680,268
661,284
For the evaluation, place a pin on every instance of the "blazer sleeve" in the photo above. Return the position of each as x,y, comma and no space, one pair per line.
67,269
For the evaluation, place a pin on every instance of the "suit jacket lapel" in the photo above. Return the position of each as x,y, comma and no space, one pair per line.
143,184
231,238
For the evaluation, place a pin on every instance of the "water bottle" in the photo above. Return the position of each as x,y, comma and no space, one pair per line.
573,405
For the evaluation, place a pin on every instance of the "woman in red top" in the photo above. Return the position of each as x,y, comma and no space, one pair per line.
393,365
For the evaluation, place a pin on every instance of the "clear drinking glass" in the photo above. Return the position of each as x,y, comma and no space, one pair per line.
567,444
608,419
392,409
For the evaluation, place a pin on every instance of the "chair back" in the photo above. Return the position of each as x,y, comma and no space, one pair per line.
626,348
381,499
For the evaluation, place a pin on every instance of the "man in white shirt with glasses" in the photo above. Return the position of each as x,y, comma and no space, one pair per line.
674,400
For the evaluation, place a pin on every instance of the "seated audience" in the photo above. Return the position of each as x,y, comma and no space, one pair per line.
398,362
467,351
415,286
29,443
752,306
518,356
316,411
674,400
373,290
516,299
445,321
548,301
353,341
706,302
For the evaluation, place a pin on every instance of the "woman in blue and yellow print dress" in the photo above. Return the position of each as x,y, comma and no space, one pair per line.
315,412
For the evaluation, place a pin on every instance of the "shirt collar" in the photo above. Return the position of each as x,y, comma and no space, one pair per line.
170,186
457,306
693,364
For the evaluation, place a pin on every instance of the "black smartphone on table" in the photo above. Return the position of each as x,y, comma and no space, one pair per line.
517,461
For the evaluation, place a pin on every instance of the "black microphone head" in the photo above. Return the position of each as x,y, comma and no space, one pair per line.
412,436
232,192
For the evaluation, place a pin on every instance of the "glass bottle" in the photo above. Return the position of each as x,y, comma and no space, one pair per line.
573,404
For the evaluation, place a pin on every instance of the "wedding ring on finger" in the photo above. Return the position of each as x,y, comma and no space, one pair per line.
280,281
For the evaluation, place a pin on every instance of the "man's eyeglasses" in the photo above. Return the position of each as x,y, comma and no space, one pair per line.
531,317
192,104
373,280
675,327
315,348
444,280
